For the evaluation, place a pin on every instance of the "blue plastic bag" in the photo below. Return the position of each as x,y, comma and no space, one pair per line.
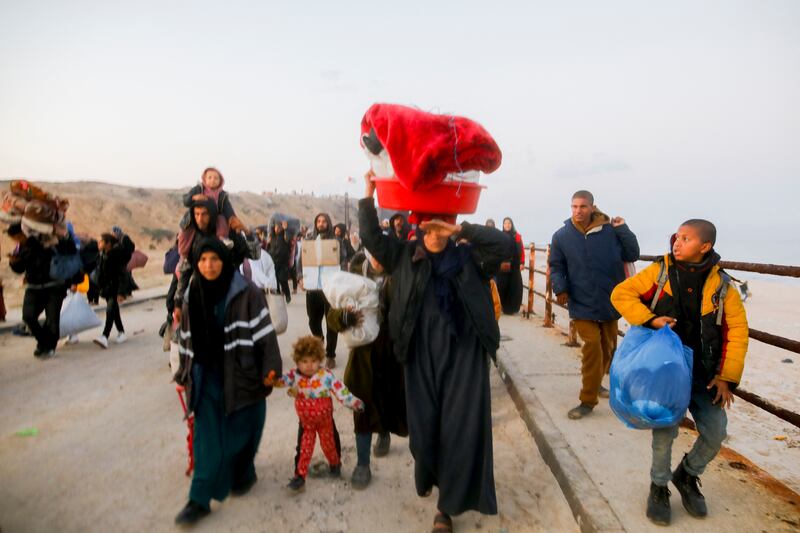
651,378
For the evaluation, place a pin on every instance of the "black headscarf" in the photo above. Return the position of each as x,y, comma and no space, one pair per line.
445,266
207,304
513,231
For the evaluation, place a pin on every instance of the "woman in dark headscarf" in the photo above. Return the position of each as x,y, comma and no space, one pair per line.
509,279
279,246
227,346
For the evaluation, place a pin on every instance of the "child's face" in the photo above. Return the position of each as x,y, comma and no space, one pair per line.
308,366
212,179
688,245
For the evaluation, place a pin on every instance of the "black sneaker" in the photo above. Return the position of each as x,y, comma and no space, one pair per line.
579,412
689,487
191,514
244,488
658,510
297,484
381,448
361,477
335,471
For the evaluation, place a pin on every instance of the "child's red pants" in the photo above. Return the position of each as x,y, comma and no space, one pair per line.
316,416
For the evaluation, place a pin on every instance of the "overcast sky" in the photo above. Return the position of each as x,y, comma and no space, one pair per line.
665,111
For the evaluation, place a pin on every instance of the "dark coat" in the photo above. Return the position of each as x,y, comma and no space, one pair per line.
280,249
588,266
251,346
33,260
111,267
410,269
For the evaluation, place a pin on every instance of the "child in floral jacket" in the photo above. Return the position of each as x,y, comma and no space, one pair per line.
312,387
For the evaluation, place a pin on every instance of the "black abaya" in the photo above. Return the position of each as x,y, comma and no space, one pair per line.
448,402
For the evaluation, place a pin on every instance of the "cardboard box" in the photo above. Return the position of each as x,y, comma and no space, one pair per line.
320,252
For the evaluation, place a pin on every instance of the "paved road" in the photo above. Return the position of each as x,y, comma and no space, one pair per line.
110,452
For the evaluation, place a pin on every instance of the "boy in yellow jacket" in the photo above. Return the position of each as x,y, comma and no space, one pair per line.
687,291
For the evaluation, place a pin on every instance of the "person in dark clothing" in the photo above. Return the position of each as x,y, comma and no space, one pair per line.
42,292
228,347
114,256
509,279
442,327
399,227
279,246
373,375
317,305
347,250
204,222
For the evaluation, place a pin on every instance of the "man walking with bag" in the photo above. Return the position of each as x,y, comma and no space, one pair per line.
587,259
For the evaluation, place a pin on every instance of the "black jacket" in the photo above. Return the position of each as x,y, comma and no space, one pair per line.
111,267
411,270
251,347
33,260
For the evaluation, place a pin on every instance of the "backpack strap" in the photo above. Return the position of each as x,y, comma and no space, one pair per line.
663,276
722,291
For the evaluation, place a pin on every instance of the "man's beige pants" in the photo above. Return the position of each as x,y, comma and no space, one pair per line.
599,342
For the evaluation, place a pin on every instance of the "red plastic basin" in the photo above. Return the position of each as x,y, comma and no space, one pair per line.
446,198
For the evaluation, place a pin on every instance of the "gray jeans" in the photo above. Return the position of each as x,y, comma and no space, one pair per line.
711,422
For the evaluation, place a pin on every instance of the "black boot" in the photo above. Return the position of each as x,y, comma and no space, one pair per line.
658,510
297,484
191,514
381,448
688,486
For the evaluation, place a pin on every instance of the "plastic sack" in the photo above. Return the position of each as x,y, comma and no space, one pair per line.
77,315
651,378
276,303
342,290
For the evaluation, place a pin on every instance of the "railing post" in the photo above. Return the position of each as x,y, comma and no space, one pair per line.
548,290
531,266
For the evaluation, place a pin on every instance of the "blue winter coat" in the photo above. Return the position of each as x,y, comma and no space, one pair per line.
588,266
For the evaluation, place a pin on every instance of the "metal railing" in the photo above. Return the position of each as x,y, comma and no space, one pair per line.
761,336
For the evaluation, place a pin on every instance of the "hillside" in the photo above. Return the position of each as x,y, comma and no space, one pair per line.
151,217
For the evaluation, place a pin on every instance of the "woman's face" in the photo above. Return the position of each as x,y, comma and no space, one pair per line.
212,179
308,366
209,265
507,225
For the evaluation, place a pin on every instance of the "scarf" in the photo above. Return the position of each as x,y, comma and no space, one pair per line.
207,305
445,266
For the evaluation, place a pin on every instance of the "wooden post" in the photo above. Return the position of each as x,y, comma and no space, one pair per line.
531,266
548,290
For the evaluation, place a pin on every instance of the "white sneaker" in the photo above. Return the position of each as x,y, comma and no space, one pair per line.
102,341
121,337
72,339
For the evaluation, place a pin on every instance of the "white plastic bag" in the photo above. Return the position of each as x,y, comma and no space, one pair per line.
343,289
277,312
77,315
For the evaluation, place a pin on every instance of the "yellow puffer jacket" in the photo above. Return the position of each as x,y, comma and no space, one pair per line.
727,344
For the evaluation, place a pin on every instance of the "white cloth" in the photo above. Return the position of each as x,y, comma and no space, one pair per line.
263,270
343,290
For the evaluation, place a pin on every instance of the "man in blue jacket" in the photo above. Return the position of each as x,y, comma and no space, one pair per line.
587,259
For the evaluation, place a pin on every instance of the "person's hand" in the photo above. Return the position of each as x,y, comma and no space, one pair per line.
120,298
358,406
521,268
617,222
562,298
370,185
60,230
724,396
73,288
440,226
176,315
269,381
660,322
199,197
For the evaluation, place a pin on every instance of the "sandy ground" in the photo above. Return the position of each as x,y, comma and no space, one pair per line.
110,453
768,441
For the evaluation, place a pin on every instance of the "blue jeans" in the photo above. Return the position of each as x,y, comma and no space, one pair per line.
711,422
